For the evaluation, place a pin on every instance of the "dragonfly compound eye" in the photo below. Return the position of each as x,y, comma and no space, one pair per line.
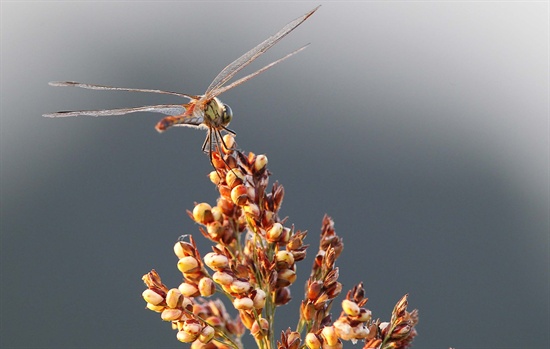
227,114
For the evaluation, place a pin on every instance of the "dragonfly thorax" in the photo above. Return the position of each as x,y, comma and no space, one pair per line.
217,114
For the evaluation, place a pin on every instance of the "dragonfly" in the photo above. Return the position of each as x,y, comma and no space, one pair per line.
203,111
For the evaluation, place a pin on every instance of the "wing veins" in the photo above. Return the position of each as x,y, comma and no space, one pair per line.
167,109
234,67
111,88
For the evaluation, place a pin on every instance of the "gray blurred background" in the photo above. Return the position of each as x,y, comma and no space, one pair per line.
420,127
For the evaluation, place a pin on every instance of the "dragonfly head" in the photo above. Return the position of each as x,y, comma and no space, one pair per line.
217,114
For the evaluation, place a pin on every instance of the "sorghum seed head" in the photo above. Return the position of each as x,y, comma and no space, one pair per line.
244,303
202,213
206,287
152,297
350,308
329,335
174,298
187,263
171,314
239,195
234,177
259,299
312,341
188,290
222,278
260,162
216,261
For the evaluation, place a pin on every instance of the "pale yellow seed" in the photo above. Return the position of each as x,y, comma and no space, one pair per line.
288,275
312,341
329,335
252,209
229,141
206,287
187,263
243,303
275,232
214,177
286,257
234,177
202,213
217,214
350,308
207,334
216,261
343,330
238,286
171,314
192,327
259,299
260,162
178,250
222,278
152,297
185,337
174,298
259,328
187,290
155,308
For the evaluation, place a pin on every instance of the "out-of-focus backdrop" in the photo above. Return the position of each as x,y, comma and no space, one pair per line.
420,127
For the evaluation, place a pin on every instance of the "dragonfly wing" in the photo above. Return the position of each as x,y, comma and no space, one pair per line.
233,68
111,88
257,72
167,109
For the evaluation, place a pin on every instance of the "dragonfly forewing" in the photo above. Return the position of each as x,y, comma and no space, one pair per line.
112,88
233,68
166,109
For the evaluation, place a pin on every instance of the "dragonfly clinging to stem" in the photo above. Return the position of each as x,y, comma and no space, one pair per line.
203,111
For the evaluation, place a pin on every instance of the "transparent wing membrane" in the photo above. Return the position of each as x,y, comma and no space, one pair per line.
111,88
233,68
166,109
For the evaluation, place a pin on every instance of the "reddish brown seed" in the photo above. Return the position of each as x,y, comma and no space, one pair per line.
239,195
